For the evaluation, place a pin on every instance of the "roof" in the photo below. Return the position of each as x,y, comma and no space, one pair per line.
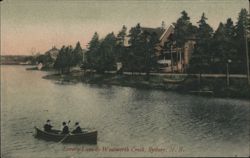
168,31
159,31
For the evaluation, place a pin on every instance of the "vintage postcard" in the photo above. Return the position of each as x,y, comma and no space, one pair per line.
125,78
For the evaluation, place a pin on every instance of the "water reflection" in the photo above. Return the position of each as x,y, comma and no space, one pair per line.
123,116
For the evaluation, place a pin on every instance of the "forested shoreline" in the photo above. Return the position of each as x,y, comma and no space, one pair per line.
213,48
220,51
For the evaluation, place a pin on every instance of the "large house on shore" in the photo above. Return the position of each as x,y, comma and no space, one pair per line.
174,59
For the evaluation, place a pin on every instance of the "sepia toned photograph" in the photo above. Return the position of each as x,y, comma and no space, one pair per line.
125,78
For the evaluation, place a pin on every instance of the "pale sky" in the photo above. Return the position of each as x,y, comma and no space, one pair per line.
36,25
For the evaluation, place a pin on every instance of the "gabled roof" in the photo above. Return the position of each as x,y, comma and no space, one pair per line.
159,31
168,31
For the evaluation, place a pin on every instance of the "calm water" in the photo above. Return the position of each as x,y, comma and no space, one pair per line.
124,117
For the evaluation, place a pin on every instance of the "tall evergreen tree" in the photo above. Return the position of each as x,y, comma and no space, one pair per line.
105,56
121,36
183,29
90,55
120,48
63,62
77,55
223,44
134,62
242,27
219,44
202,57
148,43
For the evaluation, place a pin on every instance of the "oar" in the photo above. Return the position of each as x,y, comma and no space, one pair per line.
65,136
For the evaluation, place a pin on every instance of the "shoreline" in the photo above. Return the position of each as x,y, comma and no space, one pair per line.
215,87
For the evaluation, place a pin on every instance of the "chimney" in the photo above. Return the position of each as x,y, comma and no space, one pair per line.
163,25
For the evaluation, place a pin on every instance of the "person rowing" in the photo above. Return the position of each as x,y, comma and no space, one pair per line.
77,129
47,127
65,128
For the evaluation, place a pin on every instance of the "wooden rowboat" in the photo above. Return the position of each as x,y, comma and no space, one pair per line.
202,92
86,137
175,81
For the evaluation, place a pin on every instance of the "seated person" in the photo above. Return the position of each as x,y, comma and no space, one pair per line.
65,128
47,127
77,129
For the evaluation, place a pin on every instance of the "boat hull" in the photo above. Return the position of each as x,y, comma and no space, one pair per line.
87,138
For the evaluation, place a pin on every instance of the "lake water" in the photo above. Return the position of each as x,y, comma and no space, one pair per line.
134,119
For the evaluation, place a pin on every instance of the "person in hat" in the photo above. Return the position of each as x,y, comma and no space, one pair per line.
47,127
65,128
77,128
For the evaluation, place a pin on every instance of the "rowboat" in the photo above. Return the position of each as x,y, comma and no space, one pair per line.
202,92
85,137
175,81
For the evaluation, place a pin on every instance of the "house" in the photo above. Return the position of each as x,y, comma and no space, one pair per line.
173,59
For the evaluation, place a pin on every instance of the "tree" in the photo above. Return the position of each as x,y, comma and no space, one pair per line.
223,46
45,59
242,26
121,36
105,55
120,48
201,57
149,42
90,55
183,29
141,55
64,60
77,55
134,62
219,43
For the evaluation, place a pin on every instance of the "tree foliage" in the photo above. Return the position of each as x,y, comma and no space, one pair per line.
77,55
64,60
241,29
68,57
105,56
91,54
212,50
201,58
183,29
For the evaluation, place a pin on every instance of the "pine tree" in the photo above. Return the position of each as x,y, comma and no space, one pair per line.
77,55
183,29
121,52
63,62
134,60
202,56
219,44
105,56
121,36
148,43
242,27
90,55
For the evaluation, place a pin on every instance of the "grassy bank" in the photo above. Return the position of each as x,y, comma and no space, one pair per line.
238,87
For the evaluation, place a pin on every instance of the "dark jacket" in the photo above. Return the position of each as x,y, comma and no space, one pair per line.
65,130
47,128
77,130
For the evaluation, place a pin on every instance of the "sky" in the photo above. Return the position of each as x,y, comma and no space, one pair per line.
31,26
